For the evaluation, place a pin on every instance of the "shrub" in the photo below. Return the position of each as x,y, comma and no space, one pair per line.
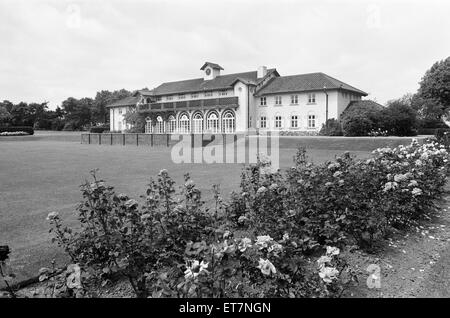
331,128
118,236
27,129
358,124
442,135
70,126
399,119
98,129
328,204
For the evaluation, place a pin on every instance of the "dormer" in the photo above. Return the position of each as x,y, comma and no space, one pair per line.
211,70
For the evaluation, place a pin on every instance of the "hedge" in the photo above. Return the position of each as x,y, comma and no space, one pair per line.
27,129
98,129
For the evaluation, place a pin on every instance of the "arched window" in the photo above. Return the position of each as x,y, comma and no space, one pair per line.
159,128
148,125
197,123
228,122
172,125
212,123
184,124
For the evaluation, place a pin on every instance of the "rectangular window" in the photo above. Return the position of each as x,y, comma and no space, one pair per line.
277,100
263,101
158,99
194,95
120,110
294,99
311,98
263,123
277,121
223,93
169,97
294,121
311,121
181,96
208,94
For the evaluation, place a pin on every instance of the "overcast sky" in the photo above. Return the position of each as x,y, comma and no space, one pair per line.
51,50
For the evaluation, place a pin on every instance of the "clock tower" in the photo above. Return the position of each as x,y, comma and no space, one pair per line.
212,70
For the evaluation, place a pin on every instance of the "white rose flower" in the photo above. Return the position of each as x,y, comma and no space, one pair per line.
266,267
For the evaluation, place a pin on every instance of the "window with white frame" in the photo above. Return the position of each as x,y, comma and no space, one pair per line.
158,99
311,121
294,121
311,98
197,123
223,93
212,123
228,122
159,128
148,125
184,124
208,94
277,100
263,122
194,95
181,96
171,124
120,110
169,97
263,101
294,99
278,122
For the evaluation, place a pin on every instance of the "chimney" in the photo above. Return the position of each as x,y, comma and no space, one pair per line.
262,71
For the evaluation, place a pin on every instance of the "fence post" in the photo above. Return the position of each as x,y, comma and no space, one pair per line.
168,136
111,139
151,140
99,139
89,139
123,139
137,139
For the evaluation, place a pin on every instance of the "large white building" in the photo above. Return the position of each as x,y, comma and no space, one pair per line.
228,103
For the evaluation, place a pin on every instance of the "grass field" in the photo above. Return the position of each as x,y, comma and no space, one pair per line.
42,173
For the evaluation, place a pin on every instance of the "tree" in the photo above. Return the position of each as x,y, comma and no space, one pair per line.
99,112
434,90
5,116
399,118
136,119
77,112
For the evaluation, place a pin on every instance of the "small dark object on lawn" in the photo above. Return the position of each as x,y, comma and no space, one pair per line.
4,252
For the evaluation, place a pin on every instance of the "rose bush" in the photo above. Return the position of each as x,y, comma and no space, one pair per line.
268,239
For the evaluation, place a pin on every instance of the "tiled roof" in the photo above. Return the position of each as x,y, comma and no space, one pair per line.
199,84
213,65
127,101
305,82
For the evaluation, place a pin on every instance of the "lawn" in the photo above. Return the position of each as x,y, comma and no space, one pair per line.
42,173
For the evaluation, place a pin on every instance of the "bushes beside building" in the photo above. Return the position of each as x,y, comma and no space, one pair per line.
367,118
331,128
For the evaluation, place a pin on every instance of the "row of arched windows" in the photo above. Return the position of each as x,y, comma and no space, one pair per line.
198,125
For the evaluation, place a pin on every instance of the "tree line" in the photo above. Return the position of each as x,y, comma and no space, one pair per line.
72,114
